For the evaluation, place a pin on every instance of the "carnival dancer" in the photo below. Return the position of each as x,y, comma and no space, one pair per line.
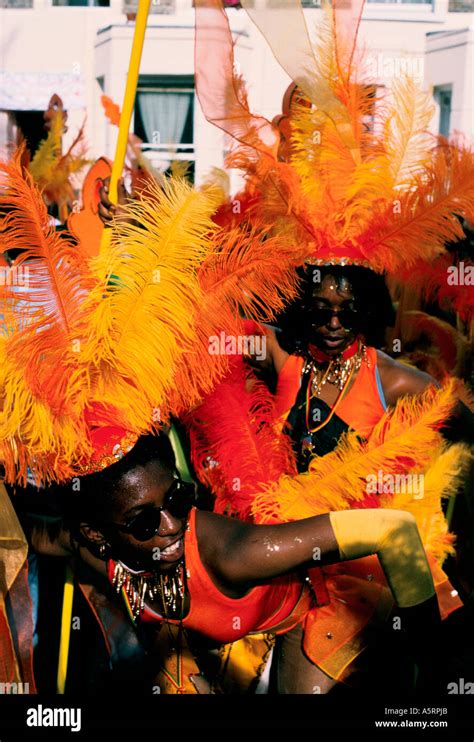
218,577
82,383
363,198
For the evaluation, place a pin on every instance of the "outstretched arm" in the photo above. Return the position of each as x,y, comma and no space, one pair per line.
238,553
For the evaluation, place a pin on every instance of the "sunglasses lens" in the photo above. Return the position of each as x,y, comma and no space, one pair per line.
346,317
145,526
320,317
180,499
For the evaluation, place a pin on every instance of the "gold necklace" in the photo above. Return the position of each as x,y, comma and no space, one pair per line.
337,372
137,586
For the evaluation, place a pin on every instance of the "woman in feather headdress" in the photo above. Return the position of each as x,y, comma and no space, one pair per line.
91,352
364,199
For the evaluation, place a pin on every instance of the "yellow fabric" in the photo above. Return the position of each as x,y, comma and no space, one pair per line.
243,662
13,544
394,537
175,669
13,552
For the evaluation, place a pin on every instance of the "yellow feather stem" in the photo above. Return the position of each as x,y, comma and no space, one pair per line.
144,307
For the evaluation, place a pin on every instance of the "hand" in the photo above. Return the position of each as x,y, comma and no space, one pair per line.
107,210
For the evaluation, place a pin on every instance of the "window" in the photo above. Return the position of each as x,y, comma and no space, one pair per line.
16,3
30,125
442,95
130,7
83,3
164,119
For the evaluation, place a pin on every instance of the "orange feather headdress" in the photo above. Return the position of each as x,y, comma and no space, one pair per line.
126,333
354,176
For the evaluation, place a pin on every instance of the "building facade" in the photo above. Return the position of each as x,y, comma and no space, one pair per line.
80,49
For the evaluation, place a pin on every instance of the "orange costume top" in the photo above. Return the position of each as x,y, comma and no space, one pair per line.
276,606
361,407
350,594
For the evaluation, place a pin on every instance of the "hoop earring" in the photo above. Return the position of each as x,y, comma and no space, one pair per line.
102,550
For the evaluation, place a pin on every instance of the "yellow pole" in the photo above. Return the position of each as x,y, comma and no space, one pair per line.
128,103
66,620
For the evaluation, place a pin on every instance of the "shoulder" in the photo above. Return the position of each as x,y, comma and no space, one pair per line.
219,541
215,534
399,379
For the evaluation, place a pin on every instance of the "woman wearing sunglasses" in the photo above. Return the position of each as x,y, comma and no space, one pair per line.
218,577
339,378
332,377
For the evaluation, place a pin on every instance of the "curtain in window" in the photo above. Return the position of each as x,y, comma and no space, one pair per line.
164,115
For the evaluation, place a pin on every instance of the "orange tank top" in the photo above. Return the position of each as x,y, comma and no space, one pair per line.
361,407
276,606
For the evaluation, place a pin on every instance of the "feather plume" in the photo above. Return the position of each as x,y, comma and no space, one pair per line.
422,220
235,444
111,110
49,150
52,301
144,306
407,138
246,272
432,282
32,437
52,170
402,441
440,481
447,343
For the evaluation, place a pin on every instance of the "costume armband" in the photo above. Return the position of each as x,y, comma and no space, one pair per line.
394,537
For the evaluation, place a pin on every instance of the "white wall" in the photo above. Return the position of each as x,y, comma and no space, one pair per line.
93,42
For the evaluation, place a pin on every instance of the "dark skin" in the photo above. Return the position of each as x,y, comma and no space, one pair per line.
237,556
106,209
397,379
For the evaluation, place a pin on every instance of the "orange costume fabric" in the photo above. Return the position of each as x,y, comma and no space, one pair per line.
355,592
361,407
277,606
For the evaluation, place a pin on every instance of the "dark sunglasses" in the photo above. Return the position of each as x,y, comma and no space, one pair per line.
178,501
347,317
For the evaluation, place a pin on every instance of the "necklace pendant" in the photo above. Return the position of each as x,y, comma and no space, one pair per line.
307,444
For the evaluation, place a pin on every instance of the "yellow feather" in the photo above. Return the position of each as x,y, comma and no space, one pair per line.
407,137
405,439
49,152
143,309
441,480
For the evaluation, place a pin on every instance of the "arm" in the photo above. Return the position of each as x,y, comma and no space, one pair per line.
60,543
238,553
399,380
106,209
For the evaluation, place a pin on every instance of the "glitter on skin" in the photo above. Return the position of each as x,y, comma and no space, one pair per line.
270,545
